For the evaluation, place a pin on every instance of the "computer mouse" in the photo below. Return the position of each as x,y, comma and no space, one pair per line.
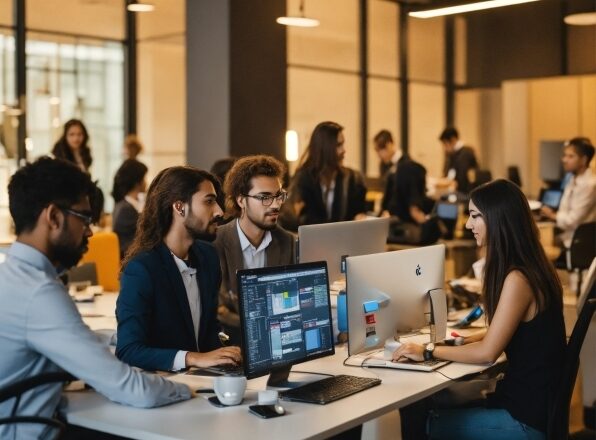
279,409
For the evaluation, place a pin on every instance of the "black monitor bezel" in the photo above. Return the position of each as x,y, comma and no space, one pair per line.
278,269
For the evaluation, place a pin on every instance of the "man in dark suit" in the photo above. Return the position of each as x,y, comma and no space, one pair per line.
254,195
459,160
167,307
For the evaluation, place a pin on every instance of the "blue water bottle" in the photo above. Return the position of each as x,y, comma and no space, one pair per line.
342,312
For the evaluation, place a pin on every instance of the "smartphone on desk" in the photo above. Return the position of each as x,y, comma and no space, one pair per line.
264,411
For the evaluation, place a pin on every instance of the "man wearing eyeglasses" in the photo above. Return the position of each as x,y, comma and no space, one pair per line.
41,330
254,195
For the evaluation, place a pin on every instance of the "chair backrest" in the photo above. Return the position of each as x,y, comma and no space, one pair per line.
17,389
583,246
104,251
558,421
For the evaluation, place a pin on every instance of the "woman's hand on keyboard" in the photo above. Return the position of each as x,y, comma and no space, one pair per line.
221,356
409,350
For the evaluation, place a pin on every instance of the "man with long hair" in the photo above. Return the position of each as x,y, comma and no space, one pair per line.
167,307
41,330
254,195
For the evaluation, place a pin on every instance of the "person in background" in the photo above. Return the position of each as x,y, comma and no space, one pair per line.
129,197
220,169
167,307
41,330
254,196
132,147
323,190
460,160
73,145
389,154
523,301
578,204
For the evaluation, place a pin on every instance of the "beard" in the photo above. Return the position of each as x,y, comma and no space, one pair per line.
66,254
199,232
265,223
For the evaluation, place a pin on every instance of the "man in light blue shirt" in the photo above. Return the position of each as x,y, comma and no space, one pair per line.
41,330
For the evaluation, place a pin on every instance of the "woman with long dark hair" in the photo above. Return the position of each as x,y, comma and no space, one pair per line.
72,145
522,298
129,194
323,189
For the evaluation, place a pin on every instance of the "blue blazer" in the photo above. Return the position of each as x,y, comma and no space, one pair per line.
154,320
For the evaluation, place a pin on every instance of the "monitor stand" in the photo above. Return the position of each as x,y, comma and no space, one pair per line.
278,378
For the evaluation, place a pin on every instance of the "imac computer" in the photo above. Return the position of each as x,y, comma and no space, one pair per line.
333,242
285,317
390,294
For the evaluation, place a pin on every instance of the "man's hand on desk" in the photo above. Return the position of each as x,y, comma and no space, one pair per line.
221,356
548,212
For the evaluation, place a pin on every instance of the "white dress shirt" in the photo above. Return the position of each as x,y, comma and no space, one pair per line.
253,257
194,301
578,204
328,197
41,331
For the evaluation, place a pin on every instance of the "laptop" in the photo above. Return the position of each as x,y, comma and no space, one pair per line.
551,198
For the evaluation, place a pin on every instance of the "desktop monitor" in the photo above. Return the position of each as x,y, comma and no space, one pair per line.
332,242
285,318
389,293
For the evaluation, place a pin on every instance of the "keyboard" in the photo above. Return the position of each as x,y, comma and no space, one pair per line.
329,389
219,370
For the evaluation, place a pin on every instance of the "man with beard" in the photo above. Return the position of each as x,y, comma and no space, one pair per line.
167,307
41,330
254,195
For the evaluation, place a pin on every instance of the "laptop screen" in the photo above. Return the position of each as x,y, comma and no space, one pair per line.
552,198
447,210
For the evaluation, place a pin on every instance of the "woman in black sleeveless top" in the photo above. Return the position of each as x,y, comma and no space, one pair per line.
522,298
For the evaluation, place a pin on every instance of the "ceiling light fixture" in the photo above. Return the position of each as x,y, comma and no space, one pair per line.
300,21
135,6
469,7
580,12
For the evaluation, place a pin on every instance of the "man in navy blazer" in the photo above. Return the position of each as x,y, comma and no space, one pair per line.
167,307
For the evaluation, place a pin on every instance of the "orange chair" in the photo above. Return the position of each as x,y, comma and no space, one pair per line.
104,251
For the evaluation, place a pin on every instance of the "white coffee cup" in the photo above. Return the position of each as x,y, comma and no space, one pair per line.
230,389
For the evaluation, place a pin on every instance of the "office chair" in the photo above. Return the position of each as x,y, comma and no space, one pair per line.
558,421
16,391
104,251
581,252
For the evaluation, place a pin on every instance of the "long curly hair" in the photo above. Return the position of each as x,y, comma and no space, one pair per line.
62,150
513,243
168,187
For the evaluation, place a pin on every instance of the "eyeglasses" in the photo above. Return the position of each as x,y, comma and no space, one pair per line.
85,217
267,200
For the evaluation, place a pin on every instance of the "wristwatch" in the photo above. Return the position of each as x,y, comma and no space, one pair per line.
428,351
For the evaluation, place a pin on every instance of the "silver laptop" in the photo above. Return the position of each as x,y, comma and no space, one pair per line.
333,242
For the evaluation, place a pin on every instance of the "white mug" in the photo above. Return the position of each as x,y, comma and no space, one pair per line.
229,389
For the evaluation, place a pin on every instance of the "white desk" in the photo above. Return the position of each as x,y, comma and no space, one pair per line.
198,418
